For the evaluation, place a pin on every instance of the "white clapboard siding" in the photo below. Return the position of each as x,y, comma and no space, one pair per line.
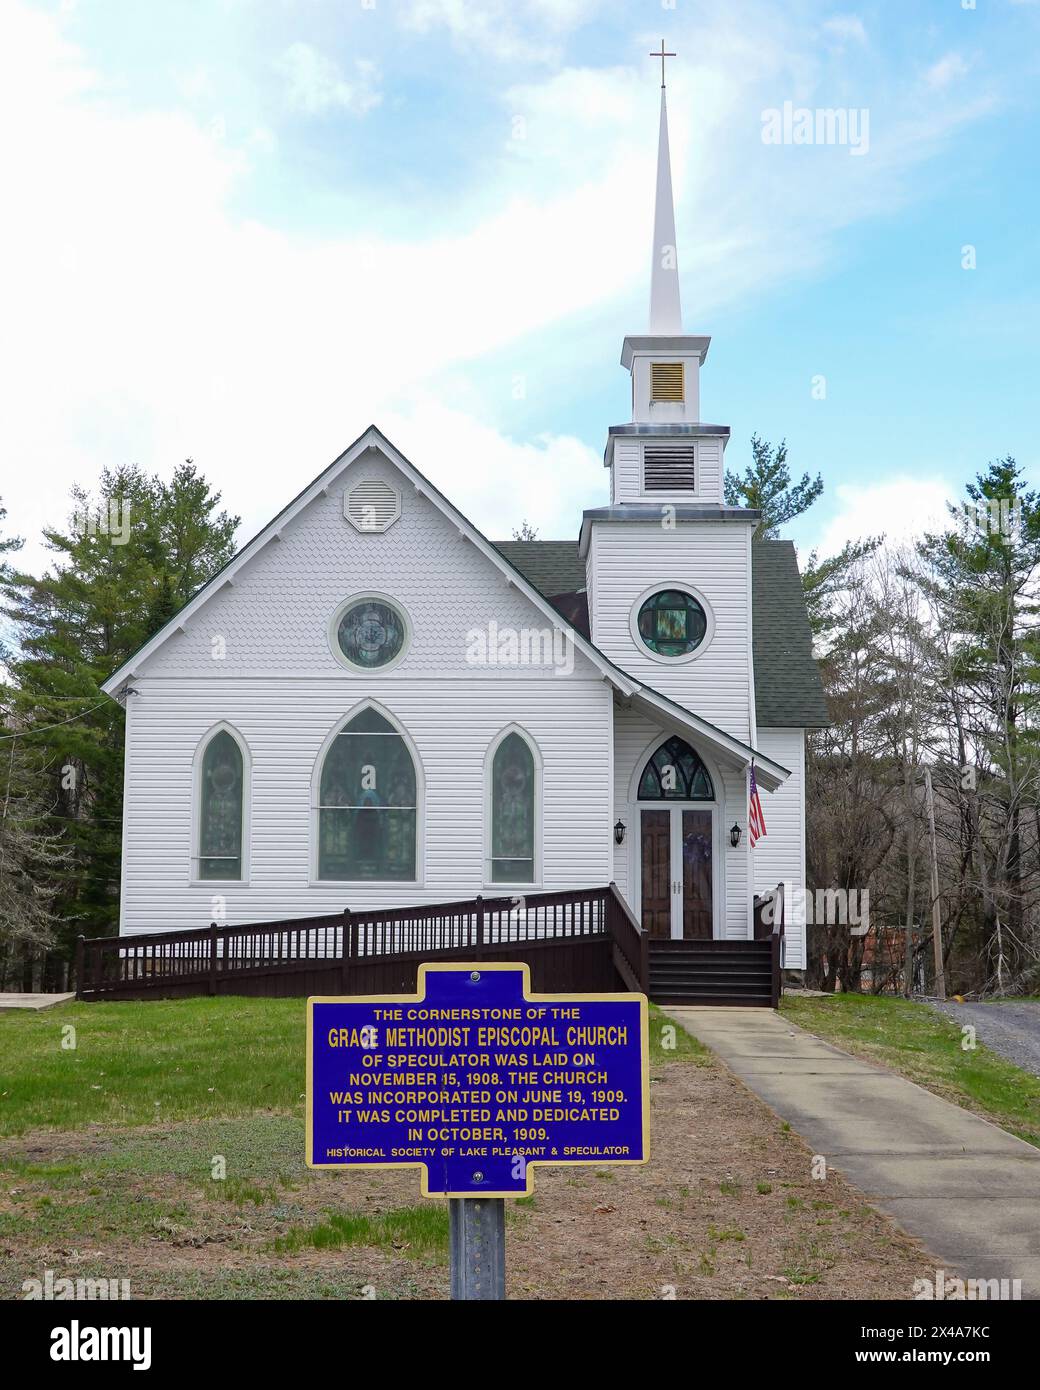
628,559
258,656
625,479
780,855
635,737
285,722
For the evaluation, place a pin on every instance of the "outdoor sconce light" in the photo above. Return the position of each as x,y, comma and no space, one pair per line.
734,836
619,833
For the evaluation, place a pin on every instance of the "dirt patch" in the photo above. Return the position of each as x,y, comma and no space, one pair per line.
727,1208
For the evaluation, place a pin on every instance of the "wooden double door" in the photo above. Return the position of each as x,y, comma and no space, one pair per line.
677,851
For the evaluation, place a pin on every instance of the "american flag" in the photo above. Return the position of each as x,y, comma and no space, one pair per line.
756,820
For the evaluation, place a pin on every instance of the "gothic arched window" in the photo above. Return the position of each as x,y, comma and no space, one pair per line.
514,802
675,773
221,808
367,804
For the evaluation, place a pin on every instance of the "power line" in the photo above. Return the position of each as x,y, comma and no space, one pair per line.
42,728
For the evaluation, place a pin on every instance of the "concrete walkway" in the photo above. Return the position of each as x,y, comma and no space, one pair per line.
967,1190
32,1001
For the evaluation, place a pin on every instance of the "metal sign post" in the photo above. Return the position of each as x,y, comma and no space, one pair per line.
477,1237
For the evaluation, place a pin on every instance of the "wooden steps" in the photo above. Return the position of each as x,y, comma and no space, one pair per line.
734,973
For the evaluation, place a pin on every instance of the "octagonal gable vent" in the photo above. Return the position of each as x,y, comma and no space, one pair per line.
372,505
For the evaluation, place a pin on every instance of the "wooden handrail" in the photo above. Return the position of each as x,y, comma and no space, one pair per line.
626,931
205,956
776,942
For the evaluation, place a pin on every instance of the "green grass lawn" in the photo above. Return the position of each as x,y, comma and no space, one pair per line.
175,1059
916,1041
668,1040
167,1148
139,1063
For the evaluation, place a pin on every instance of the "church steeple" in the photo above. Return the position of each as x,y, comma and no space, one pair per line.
666,452
664,362
665,308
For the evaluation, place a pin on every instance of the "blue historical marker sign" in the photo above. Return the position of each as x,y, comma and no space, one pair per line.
475,1081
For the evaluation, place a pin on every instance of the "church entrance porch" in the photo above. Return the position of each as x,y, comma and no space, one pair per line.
678,853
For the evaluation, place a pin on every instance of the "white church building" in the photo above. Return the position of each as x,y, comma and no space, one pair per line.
375,706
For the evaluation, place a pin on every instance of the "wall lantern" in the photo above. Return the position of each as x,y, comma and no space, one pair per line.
619,833
734,836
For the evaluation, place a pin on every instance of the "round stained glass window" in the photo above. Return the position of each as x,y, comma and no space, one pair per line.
672,623
371,633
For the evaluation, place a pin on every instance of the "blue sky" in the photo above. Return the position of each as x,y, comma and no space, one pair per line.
242,229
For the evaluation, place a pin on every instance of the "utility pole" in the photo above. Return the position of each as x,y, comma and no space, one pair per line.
937,947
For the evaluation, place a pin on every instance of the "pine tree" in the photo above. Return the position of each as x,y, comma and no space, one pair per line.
980,577
130,556
29,855
766,484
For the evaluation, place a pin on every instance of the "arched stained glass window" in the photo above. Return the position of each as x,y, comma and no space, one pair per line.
367,805
675,773
513,812
221,788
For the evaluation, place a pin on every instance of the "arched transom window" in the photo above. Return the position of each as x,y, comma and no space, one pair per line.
367,807
675,773
513,811
221,802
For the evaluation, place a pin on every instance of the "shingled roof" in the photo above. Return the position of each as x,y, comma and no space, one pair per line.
554,567
788,689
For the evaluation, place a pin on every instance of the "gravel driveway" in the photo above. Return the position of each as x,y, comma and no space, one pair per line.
1012,1030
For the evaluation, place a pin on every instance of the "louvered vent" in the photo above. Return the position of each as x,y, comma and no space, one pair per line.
666,381
669,468
372,505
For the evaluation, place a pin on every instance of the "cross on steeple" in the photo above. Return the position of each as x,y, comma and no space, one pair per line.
662,55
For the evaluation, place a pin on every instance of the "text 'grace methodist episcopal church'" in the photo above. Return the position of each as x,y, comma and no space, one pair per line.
374,707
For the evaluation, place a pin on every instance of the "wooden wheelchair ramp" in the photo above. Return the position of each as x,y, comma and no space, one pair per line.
582,940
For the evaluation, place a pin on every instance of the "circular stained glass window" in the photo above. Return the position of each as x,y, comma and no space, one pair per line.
371,633
672,623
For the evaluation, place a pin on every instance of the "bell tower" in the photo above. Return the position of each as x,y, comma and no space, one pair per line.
675,453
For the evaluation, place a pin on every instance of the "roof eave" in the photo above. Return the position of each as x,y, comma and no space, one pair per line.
628,512
769,773
676,429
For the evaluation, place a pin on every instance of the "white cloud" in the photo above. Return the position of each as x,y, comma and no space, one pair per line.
946,70
845,28
899,508
497,481
314,83
510,30
145,319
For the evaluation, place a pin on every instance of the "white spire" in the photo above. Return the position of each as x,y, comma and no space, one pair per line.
665,310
